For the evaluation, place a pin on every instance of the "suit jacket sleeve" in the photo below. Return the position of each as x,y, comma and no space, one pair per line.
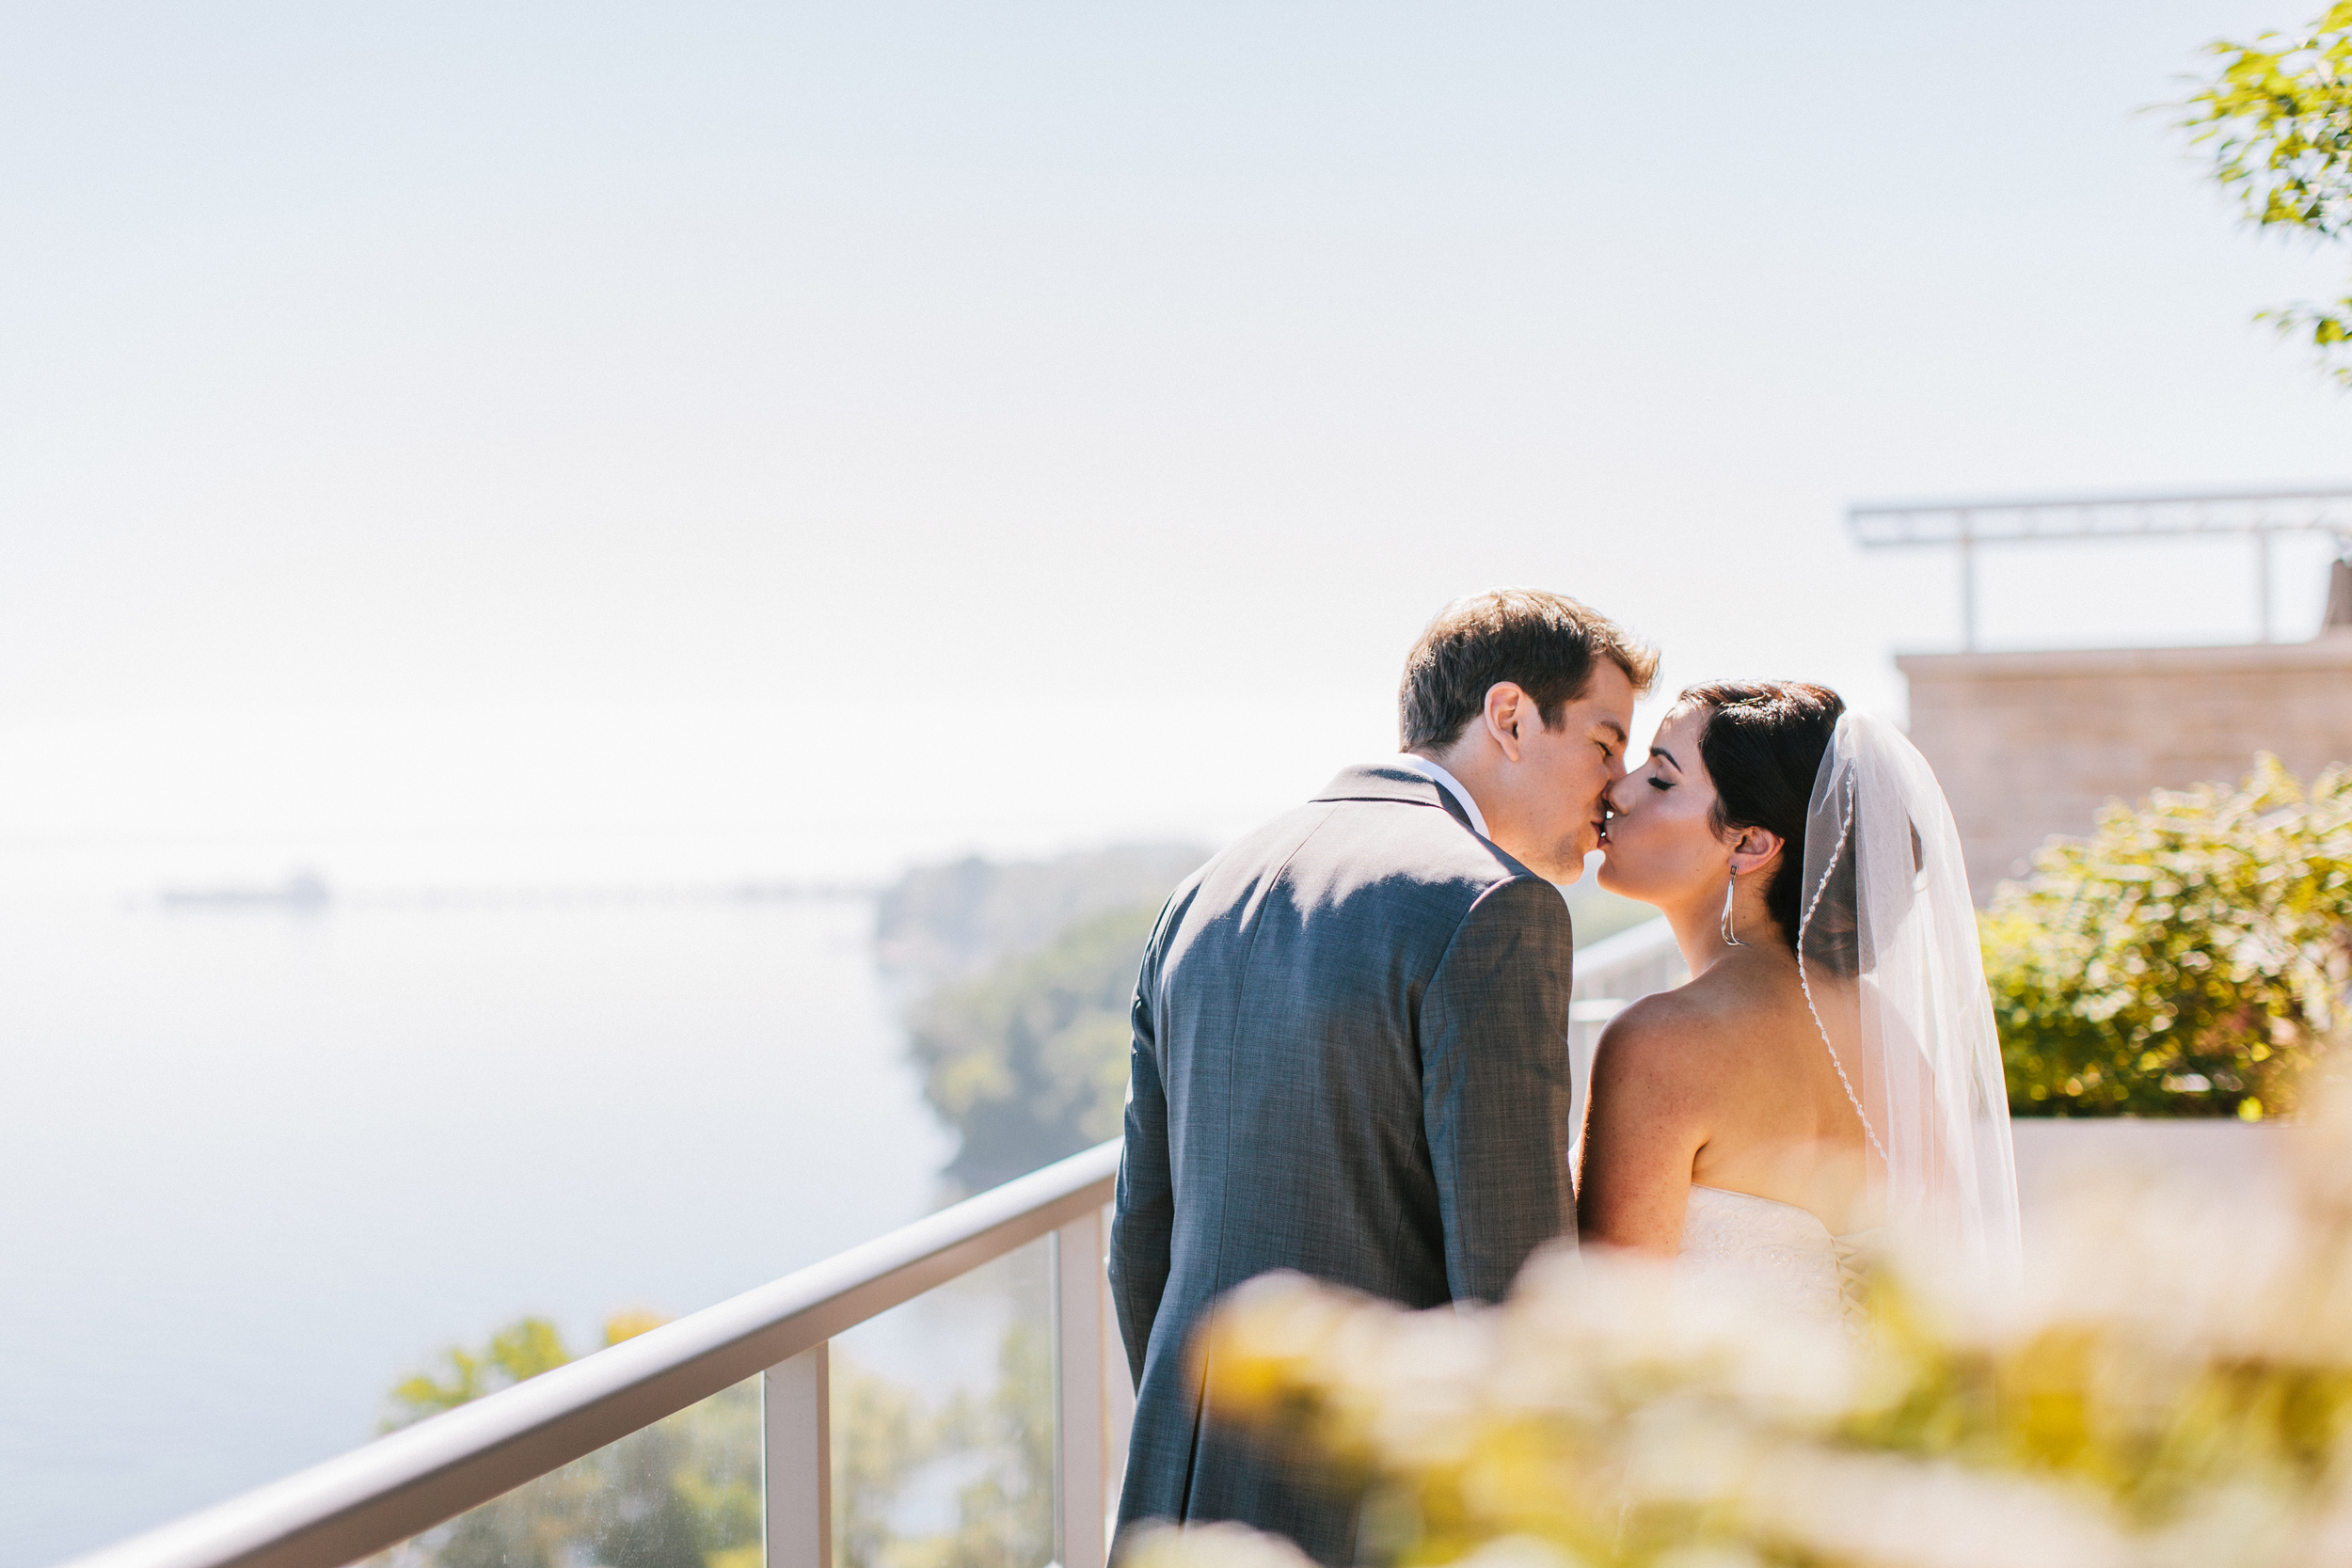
1496,1084
1144,1220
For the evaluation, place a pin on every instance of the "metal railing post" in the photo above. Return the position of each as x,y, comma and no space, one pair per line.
1078,1392
1119,1394
1967,583
2262,584
796,1421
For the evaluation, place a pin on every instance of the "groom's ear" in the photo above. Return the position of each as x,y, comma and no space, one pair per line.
1509,709
1754,848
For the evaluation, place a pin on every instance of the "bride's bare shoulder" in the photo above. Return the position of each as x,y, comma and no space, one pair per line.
1686,1036
1694,1013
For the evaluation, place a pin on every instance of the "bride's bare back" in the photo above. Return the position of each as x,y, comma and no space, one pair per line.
1723,1083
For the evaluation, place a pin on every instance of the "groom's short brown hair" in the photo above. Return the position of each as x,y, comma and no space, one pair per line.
1545,642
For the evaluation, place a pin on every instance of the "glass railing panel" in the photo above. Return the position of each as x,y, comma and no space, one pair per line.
682,1493
943,1425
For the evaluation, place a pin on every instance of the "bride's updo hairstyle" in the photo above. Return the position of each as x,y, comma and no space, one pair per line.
1762,746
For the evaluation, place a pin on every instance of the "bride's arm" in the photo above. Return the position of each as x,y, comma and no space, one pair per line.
1646,1120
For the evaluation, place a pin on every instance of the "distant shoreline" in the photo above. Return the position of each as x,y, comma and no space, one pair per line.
308,894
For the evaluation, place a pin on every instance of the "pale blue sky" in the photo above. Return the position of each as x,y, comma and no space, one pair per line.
844,432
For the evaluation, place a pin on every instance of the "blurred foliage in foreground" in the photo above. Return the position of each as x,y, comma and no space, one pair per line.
2277,121
687,1491
2189,958
2170,1385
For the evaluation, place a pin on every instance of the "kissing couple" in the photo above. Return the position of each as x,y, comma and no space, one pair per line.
1351,1028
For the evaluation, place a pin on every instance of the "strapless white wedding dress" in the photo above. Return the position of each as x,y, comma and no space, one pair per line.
1777,1252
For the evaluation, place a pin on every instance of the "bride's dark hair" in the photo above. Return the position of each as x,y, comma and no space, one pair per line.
1762,744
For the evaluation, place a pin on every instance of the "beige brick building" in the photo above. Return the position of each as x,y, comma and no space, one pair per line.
2032,744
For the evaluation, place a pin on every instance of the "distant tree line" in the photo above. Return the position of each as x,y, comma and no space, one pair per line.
1023,1031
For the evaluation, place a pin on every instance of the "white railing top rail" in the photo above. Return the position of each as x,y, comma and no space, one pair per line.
1609,974
378,1496
1601,968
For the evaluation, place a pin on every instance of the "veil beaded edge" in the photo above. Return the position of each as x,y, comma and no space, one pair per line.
1806,983
1889,959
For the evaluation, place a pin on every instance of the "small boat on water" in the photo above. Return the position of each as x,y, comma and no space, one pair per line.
301,890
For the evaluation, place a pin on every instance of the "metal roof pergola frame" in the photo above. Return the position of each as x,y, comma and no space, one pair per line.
1965,525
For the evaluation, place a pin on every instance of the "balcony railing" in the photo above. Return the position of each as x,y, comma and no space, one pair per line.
1611,973
1614,972
411,1481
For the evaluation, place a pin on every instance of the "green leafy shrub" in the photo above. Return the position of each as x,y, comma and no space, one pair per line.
2189,958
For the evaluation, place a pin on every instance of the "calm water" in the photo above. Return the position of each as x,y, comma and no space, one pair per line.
256,1165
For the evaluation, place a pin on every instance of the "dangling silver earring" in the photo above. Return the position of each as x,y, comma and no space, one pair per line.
1731,887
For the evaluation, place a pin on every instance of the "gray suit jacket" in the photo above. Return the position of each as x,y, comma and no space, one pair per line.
1350,1059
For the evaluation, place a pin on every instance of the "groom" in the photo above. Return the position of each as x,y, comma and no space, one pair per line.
1351,1039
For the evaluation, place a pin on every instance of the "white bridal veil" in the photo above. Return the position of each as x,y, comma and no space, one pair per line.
1887,948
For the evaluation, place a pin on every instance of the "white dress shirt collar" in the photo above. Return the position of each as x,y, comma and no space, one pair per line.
1451,785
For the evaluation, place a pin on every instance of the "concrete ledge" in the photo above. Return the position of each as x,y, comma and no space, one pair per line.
2052,1153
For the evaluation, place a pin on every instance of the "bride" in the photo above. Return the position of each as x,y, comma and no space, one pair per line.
1828,1082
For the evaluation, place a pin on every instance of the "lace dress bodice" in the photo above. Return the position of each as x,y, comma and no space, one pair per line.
1778,1252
